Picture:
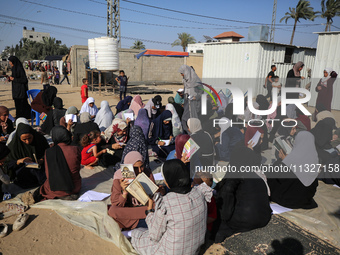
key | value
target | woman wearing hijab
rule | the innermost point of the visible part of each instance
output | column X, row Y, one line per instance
column 178, row 223
column 62, row 166
column 229, row 136
column 153, row 106
column 104, row 116
column 192, row 94
column 125, row 209
column 6, row 125
column 160, row 130
column 243, row 199
column 175, row 121
column 19, row 88
column 17, row 122
column 89, row 107
column 179, row 109
column 203, row 140
column 143, row 121
column 123, row 104
column 83, row 128
column 70, row 125
column 294, row 79
column 27, row 146
column 44, row 100
column 137, row 142
column 325, row 88
column 54, row 116
column 296, row 188
column 136, row 104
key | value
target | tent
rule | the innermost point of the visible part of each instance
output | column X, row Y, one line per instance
column 162, row 53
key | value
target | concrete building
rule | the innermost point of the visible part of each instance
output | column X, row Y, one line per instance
column 246, row 64
column 34, row 35
column 327, row 55
column 195, row 48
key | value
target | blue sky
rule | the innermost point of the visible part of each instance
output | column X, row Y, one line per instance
column 259, row 11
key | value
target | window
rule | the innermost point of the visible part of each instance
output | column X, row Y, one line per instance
column 199, row 51
column 31, row 36
column 288, row 55
column 191, row 51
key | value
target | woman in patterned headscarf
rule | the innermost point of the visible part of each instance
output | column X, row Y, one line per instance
column 325, row 88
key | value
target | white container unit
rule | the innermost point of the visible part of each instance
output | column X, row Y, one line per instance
column 92, row 59
column 106, row 53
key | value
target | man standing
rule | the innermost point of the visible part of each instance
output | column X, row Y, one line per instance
column 65, row 73
column 269, row 81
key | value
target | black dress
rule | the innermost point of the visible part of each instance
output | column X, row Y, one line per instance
column 292, row 82
column 82, row 129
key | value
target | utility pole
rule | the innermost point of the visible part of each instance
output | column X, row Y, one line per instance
column 272, row 28
column 113, row 20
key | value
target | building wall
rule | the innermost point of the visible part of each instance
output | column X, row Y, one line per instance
column 246, row 64
column 146, row 68
column 327, row 55
column 34, row 36
column 196, row 61
column 79, row 56
column 194, row 47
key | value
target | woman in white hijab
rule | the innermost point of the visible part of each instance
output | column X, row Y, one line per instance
column 89, row 107
column 325, row 88
column 104, row 116
column 17, row 122
column 296, row 188
column 176, row 122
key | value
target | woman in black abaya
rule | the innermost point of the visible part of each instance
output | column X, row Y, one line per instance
column 19, row 88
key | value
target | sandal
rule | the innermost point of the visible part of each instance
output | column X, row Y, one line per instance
column 3, row 230
column 19, row 223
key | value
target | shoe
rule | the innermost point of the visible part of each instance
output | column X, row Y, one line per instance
column 20, row 221
column 3, row 230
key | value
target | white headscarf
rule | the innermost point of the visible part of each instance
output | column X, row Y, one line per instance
column 17, row 122
column 105, row 116
column 148, row 107
column 325, row 79
column 86, row 108
column 176, row 122
column 224, row 127
column 303, row 152
column 194, row 125
column 190, row 79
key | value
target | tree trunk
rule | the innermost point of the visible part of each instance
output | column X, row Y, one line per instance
column 184, row 48
column 292, row 38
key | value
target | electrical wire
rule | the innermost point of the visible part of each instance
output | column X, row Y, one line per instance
column 80, row 29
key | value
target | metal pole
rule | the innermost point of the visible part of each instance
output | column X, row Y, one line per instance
column 272, row 28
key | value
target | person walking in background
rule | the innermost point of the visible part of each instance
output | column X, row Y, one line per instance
column 268, row 82
column 19, row 88
column 44, row 78
column 65, row 73
column 122, row 79
column 294, row 79
column 56, row 75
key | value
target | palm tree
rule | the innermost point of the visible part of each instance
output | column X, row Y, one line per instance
column 138, row 45
column 183, row 40
column 303, row 10
column 329, row 11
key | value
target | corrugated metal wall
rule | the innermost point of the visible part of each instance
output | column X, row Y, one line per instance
column 327, row 55
column 247, row 64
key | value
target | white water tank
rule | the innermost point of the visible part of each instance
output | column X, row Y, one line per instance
column 92, row 59
column 106, row 53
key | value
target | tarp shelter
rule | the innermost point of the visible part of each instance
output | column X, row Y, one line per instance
column 55, row 57
column 162, row 53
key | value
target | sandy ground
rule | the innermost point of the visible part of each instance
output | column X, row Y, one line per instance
column 48, row 233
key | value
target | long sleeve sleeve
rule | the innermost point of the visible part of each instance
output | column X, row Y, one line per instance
column 157, row 223
column 228, row 196
column 116, row 194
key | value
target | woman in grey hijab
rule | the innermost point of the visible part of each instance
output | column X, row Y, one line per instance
column 192, row 94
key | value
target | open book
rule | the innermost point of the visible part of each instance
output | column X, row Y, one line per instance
column 142, row 188
column 32, row 165
column 190, row 148
column 70, row 117
column 282, row 144
column 128, row 172
column 255, row 139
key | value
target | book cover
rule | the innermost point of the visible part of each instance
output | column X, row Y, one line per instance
column 190, row 148
column 127, row 172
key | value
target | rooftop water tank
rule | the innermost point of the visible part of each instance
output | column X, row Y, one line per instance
column 258, row 33
column 106, row 53
column 92, row 58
